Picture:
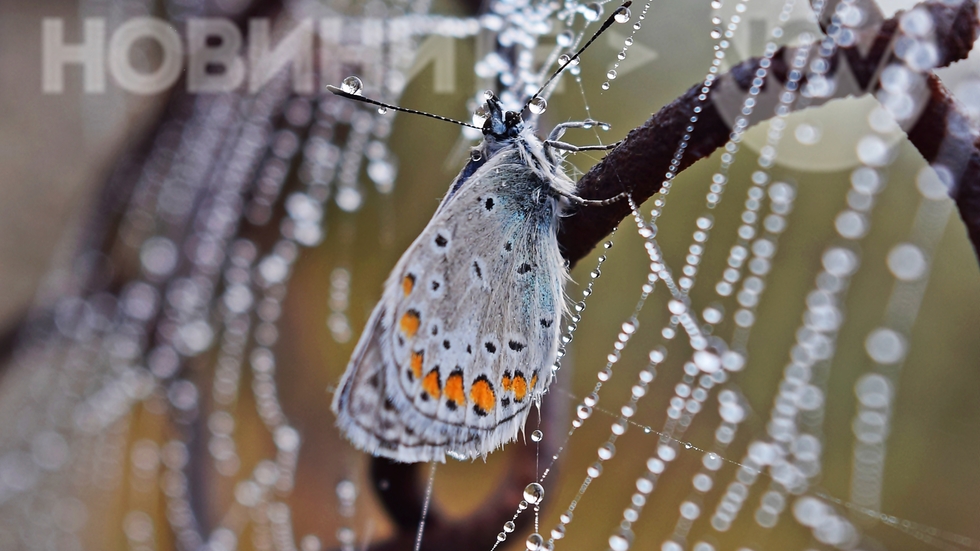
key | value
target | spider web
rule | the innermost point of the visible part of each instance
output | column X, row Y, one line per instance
column 751, row 341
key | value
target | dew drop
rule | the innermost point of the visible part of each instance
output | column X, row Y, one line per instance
column 536, row 436
column 533, row 493
column 352, row 85
column 611, row 75
column 564, row 58
column 488, row 94
column 622, row 14
column 534, row 542
column 382, row 110
column 592, row 12
column 628, row 41
column 583, row 412
column 565, row 38
column 538, row 105
column 501, row 536
column 607, row 451
column 476, row 155
column 509, row 526
column 605, row 86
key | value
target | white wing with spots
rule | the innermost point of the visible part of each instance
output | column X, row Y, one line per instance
column 462, row 342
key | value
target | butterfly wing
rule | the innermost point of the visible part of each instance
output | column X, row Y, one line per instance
column 462, row 341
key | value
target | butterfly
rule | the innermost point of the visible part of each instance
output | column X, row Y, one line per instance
column 463, row 341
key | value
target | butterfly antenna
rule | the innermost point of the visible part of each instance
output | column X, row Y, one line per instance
column 386, row 106
column 615, row 17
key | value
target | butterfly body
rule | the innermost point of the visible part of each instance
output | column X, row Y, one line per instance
column 462, row 342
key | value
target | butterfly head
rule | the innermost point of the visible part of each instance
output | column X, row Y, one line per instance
column 501, row 124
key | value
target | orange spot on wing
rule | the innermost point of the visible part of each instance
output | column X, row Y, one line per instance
column 408, row 284
column 454, row 389
column 519, row 387
column 431, row 384
column 505, row 382
column 534, row 381
column 410, row 323
column 416, row 362
column 482, row 395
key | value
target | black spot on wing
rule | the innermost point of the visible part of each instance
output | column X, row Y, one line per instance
column 477, row 271
column 445, row 344
column 508, row 246
column 441, row 240
column 516, row 346
column 490, row 347
column 546, row 323
column 524, row 268
column 488, row 204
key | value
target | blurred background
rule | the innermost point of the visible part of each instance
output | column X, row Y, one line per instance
column 185, row 275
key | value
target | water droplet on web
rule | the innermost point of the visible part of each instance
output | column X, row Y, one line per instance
column 621, row 55
column 509, row 526
column 622, row 14
column 628, row 41
column 564, row 58
column 607, row 451
column 611, row 75
column 476, row 155
column 533, row 493
column 534, row 542
column 907, row 262
column 583, row 412
column 604, row 126
column 382, row 110
column 352, row 85
column 488, row 94
column 538, row 105
column 592, row 12
column 885, row 346
column 564, row 39
column 501, row 536
column 536, row 436
column 605, row 86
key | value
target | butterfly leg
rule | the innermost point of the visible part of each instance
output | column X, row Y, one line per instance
column 560, row 129
column 563, row 146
